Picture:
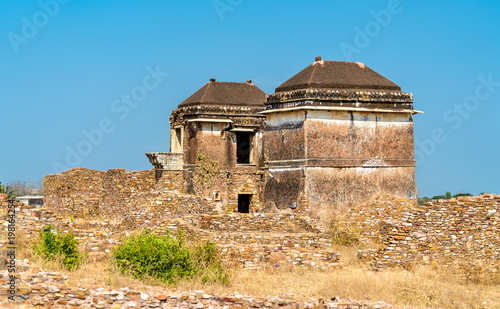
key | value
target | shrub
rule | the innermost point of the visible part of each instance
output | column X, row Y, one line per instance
column 207, row 263
column 168, row 258
column 208, row 171
column 52, row 245
column 344, row 233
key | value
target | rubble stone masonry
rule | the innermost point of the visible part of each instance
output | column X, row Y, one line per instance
column 458, row 234
column 116, row 193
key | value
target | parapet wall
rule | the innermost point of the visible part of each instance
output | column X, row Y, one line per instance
column 461, row 233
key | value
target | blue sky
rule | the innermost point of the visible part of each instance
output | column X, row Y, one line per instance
column 68, row 67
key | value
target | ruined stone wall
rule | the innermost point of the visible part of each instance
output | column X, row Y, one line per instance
column 458, row 234
column 76, row 192
column 249, row 241
column 227, row 178
column 83, row 192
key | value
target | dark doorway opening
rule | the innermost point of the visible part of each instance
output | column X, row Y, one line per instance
column 244, row 203
column 243, row 147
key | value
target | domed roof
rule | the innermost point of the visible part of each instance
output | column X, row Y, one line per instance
column 338, row 75
column 227, row 94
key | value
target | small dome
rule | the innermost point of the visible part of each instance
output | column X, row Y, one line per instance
column 227, row 94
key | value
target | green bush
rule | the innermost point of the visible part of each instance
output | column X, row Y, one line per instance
column 345, row 234
column 168, row 258
column 207, row 263
column 52, row 245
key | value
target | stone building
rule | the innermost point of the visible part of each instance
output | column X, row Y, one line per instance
column 216, row 139
column 329, row 137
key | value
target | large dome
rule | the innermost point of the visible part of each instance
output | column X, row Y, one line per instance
column 338, row 75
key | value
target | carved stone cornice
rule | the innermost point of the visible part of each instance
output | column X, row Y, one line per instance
column 339, row 96
column 219, row 110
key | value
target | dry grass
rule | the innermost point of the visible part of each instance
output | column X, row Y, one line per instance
column 421, row 288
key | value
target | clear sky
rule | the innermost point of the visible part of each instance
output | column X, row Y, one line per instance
column 92, row 83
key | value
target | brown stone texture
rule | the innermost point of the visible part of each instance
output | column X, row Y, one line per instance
column 82, row 193
column 458, row 234
column 217, row 142
column 249, row 241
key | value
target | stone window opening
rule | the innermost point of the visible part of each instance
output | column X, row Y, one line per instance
column 177, row 140
column 244, row 203
column 216, row 196
column 243, row 147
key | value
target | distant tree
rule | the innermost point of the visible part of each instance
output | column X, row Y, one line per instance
column 448, row 195
column 439, row 197
column 29, row 187
column 423, row 200
column 462, row 194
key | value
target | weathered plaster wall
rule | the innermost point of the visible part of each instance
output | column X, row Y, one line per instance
column 337, row 138
column 335, row 189
column 285, row 138
column 336, row 159
column 283, row 187
column 220, row 144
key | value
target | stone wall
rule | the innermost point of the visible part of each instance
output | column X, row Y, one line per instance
column 458, row 234
column 249, row 241
column 82, row 193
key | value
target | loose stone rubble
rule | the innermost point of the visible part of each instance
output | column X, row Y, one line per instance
column 41, row 289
